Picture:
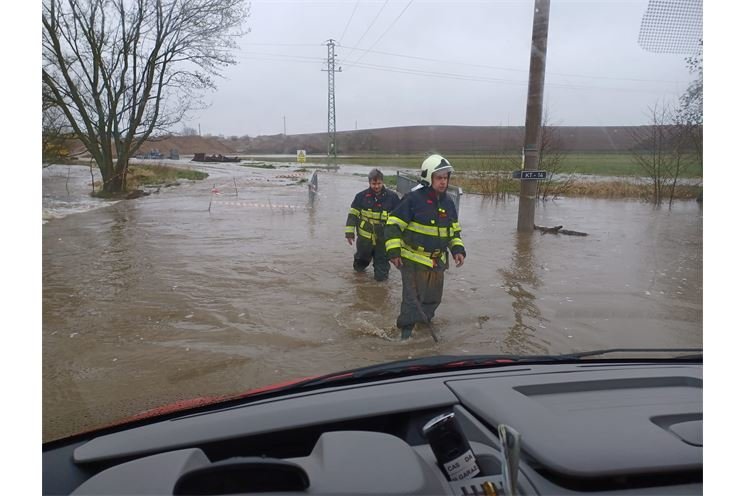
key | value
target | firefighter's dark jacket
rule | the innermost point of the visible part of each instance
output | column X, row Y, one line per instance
column 368, row 211
column 422, row 229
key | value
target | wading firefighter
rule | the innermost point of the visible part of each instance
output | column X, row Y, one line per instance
column 367, row 216
column 419, row 233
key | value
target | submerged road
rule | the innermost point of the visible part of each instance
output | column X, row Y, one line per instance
column 167, row 297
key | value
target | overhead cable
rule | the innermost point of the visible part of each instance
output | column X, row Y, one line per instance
column 384, row 32
column 357, row 4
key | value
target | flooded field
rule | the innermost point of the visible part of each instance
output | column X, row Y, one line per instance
column 235, row 282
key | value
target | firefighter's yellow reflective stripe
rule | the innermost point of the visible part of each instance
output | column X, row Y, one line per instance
column 392, row 219
column 370, row 214
column 420, row 251
column 349, row 230
column 416, row 257
column 422, row 229
column 456, row 242
column 384, row 215
column 364, row 234
column 455, row 226
column 441, row 232
column 392, row 244
column 354, row 211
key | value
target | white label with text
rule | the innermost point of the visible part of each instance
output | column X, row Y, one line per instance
column 463, row 467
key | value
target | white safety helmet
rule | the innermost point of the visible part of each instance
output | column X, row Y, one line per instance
column 432, row 165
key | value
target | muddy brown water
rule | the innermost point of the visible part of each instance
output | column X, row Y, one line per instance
column 155, row 300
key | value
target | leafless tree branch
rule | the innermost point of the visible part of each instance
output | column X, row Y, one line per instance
column 120, row 70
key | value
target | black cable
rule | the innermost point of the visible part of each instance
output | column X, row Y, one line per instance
column 350, row 20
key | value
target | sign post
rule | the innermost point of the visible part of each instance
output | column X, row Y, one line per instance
column 534, row 111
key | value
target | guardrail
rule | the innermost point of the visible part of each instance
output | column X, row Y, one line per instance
column 405, row 181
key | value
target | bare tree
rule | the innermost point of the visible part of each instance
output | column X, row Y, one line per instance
column 54, row 132
column 551, row 159
column 662, row 151
column 121, row 70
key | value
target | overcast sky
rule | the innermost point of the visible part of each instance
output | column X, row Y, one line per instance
column 426, row 62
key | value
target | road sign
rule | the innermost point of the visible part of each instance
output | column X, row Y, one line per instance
column 529, row 174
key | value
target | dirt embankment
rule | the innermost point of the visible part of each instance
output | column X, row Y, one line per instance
column 185, row 146
column 444, row 139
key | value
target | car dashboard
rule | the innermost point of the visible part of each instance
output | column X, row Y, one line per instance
column 603, row 427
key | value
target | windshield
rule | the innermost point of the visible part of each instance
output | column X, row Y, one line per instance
column 312, row 187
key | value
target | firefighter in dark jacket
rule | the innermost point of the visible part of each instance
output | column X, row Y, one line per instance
column 419, row 233
column 367, row 216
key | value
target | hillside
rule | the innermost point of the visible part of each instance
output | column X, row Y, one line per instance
column 444, row 139
column 186, row 146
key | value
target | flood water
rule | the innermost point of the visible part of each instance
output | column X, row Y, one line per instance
column 186, row 293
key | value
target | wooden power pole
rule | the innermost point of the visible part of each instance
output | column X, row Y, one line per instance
column 533, row 114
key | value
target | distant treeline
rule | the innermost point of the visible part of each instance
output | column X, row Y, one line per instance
column 442, row 139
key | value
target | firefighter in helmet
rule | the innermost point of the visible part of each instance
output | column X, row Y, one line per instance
column 419, row 234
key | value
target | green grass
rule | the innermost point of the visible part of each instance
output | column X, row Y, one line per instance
column 153, row 175
column 600, row 164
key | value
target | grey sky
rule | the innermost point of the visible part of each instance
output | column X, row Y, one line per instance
column 445, row 62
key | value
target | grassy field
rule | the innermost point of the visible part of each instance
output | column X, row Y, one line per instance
column 600, row 164
column 142, row 175
column 153, row 175
column 490, row 176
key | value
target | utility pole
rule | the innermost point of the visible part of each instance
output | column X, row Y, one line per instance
column 533, row 114
column 284, row 124
column 332, row 70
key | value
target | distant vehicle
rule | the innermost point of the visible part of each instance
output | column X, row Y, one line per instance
column 461, row 425
column 201, row 157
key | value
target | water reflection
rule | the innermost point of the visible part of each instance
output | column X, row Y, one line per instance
column 312, row 218
column 156, row 300
column 520, row 282
column 116, row 266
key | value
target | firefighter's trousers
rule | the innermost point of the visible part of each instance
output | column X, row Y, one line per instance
column 367, row 251
column 422, row 294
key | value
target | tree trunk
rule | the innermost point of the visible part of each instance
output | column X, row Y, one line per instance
column 114, row 176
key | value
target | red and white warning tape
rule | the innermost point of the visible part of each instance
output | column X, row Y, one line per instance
column 260, row 205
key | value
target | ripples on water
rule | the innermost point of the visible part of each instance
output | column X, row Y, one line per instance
column 170, row 297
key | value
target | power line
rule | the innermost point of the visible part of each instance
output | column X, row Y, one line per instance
column 483, row 66
column 297, row 58
column 464, row 77
column 385, row 32
column 437, row 74
column 350, row 20
column 455, row 62
column 371, row 24
column 286, row 44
